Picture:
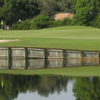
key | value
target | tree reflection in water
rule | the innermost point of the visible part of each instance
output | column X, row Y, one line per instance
column 84, row 88
column 87, row 88
column 12, row 85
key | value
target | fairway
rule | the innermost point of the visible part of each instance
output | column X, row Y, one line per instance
column 65, row 37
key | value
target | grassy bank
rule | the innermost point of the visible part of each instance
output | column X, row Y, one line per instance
column 67, row 37
column 75, row 71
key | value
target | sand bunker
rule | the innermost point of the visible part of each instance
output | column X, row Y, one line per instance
column 61, row 16
column 8, row 40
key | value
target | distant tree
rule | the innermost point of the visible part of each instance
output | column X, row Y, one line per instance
column 86, row 10
column 13, row 10
column 48, row 7
column 1, row 3
column 6, row 12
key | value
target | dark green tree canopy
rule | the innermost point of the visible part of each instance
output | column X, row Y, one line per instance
column 86, row 10
column 13, row 10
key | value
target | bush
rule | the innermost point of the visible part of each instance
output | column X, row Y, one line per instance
column 67, row 22
column 50, row 24
column 41, row 22
column 95, row 22
column 25, row 25
column 14, row 26
column 64, row 22
column 57, row 23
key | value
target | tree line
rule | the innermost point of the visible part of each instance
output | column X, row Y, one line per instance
column 86, row 12
column 13, row 10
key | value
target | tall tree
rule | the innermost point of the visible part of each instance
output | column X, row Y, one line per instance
column 13, row 10
column 47, row 7
column 6, row 12
column 86, row 10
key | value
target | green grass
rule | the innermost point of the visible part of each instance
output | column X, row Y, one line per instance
column 66, row 37
column 74, row 71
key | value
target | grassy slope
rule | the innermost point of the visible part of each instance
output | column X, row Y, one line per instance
column 75, row 71
column 67, row 37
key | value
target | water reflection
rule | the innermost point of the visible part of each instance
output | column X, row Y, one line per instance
column 4, row 64
column 73, row 62
column 35, row 63
column 47, row 87
column 12, row 85
column 46, row 63
column 90, row 62
column 17, row 64
column 87, row 88
column 54, row 63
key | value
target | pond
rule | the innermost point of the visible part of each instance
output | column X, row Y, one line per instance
column 48, row 87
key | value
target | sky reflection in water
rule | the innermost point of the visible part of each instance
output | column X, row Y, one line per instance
column 55, row 96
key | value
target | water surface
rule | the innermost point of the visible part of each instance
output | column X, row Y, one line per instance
column 47, row 87
column 46, row 63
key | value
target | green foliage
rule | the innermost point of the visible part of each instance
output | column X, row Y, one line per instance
column 51, row 23
column 64, row 22
column 87, row 88
column 67, row 22
column 40, row 22
column 86, row 11
column 14, row 26
column 45, row 22
column 44, row 85
column 96, row 22
column 6, row 11
column 47, row 7
column 13, row 10
column 50, row 7
column 57, row 23
column 25, row 25
column 0, row 25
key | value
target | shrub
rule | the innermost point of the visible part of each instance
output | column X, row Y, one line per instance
column 14, row 26
column 40, row 22
column 57, row 23
column 25, row 25
column 50, row 24
column 95, row 22
column 67, row 21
